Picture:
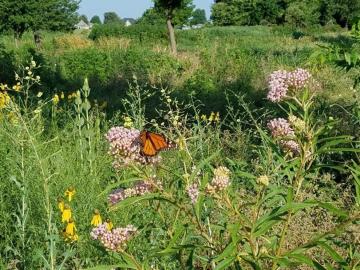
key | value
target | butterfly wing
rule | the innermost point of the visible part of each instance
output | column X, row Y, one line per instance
column 159, row 142
column 152, row 143
column 148, row 149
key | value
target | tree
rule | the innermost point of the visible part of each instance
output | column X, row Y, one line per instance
column 16, row 16
column 111, row 17
column 303, row 13
column 343, row 12
column 175, row 12
column 20, row 16
column 95, row 20
column 246, row 12
column 198, row 17
column 84, row 18
column 152, row 16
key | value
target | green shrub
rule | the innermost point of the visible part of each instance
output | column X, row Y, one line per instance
column 139, row 32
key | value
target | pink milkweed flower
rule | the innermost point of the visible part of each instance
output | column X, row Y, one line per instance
column 281, row 82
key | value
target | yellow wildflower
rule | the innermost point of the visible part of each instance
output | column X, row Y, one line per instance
column 61, row 204
column 69, row 193
column 263, row 180
column 66, row 214
column 74, row 237
column 96, row 219
column 109, row 224
column 70, row 228
column 17, row 87
column 128, row 122
column 13, row 118
column 55, row 99
column 39, row 94
column 203, row 117
column 3, row 87
column 217, row 117
column 4, row 99
column 62, row 96
column 211, row 117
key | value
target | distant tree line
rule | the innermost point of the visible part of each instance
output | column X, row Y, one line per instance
column 301, row 13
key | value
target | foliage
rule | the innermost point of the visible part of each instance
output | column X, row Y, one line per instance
column 21, row 16
column 152, row 17
column 302, row 13
column 112, row 18
column 178, row 11
column 95, row 20
column 141, row 32
column 198, row 17
column 296, row 13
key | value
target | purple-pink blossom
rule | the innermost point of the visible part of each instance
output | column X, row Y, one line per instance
column 125, row 147
column 139, row 189
column 114, row 239
column 280, row 82
column 193, row 192
column 280, row 127
column 220, row 181
column 281, row 130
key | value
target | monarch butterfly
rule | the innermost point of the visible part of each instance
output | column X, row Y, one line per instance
column 152, row 143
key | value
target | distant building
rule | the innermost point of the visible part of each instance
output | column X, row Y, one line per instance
column 128, row 21
column 83, row 25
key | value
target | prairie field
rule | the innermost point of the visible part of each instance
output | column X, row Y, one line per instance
column 240, row 152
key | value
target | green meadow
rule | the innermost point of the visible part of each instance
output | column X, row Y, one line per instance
column 234, row 190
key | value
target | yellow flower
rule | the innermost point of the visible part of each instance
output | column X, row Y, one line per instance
column 211, row 117
column 70, row 228
column 263, row 180
column 61, row 204
column 69, row 193
column 62, row 96
column 55, row 99
column 203, row 117
column 128, row 122
column 3, row 87
column 96, row 219
column 217, row 117
column 17, row 87
column 66, row 214
column 181, row 142
column 109, row 224
column 39, row 94
column 74, row 237
column 4, row 99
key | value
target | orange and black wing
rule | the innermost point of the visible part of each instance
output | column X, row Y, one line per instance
column 152, row 143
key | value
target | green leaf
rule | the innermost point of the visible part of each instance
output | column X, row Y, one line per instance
column 338, row 150
column 133, row 200
column 336, row 257
column 179, row 230
column 300, row 258
column 229, row 250
column 336, row 211
column 225, row 263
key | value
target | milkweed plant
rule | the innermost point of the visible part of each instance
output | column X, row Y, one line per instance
column 217, row 214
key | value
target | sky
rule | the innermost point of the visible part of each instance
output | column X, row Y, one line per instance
column 127, row 8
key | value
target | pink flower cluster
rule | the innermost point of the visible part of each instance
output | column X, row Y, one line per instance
column 125, row 146
column 220, row 181
column 281, row 129
column 281, row 81
column 193, row 192
column 113, row 239
column 139, row 189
